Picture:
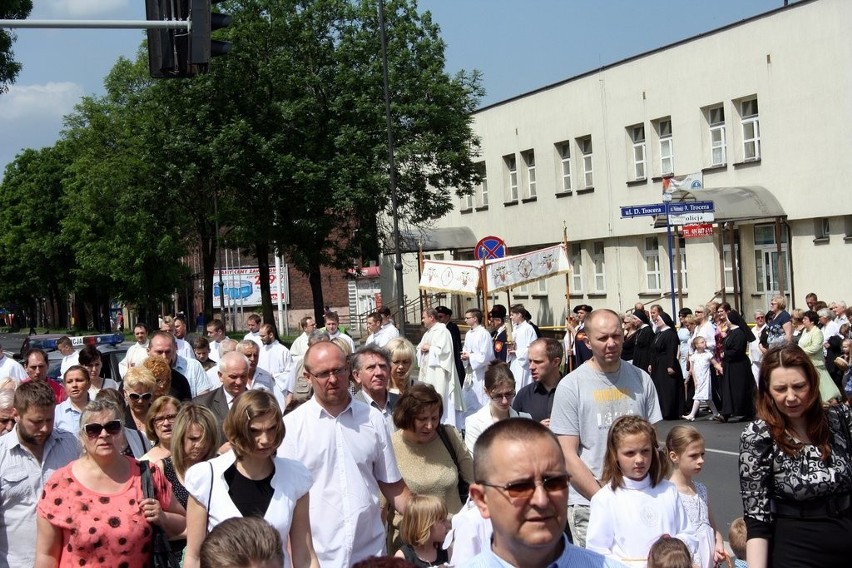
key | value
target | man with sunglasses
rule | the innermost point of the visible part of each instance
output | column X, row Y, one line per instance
column 522, row 487
column 29, row 455
column 345, row 444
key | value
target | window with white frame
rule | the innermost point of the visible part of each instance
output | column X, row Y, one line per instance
column 576, row 260
column 728, row 281
column 684, row 281
column 512, row 177
column 653, row 279
column 664, row 129
column 770, row 267
column 529, row 162
column 637, row 135
column 565, row 161
column 599, row 264
column 585, row 145
column 751, row 130
column 541, row 287
column 467, row 202
column 482, row 188
column 718, row 149
column 521, row 290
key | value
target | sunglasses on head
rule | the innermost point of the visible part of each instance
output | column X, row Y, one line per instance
column 93, row 429
column 137, row 397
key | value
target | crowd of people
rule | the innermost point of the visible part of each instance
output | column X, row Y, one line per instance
column 503, row 449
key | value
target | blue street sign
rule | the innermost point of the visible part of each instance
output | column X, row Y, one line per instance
column 643, row 210
column 684, row 207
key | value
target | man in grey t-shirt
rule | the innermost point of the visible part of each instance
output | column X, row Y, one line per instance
column 588, row 401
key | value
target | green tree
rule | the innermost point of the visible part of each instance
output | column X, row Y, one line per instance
column 9, row 68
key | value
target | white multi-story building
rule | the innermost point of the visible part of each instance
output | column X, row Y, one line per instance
column 762, row 108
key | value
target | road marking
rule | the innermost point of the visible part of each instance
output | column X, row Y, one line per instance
column 726, row 452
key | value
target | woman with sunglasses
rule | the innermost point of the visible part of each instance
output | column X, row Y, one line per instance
column 159, row 425
column 139, row 386
column 93, row 511
column 251, row 481
column 500, row 389
column 423, row 458
column 76, row 383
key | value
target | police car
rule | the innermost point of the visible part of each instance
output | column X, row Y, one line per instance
column 109, row 344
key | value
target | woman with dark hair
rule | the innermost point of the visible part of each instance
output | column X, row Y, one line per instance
column 422, row 446
column 644, row 344
column 736, row 383
column 90, row 358
column 665, row 367
column 795, row 469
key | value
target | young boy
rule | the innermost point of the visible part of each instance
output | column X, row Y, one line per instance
column 737, row 540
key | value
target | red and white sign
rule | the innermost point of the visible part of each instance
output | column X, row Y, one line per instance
column 697, row 231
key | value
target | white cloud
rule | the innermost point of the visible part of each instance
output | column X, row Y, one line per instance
column 82, row 9
column 24, row 102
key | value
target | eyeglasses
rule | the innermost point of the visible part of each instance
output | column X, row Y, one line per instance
column 327, row 374
column 497, row 397
column 135, row 397
column 93, row 429
column 525, row 489
column 167, row 417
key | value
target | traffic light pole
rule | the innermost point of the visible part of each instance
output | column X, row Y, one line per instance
column 98, row 24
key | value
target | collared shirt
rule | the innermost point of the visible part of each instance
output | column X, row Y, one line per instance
column 264, row 381
column 253, row 336
column 345, row 338
column 299, row 346
column 572, row 557
column 66, row 417
column 69, row 361
column 214, row 351
column 184, row 349
column 21, row 480
column 347, row 455
column 386, row 412
column 11, row 368
column 275, row 359
column 384, row 334
column 535, row 400
column 199, row 382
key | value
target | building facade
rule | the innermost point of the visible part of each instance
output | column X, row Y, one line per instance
column 761, row 109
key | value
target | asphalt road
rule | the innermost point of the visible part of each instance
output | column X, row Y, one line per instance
column 720, row 473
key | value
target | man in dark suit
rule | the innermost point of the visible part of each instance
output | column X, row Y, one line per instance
column 234, row 374
column 371, row 369
column 497, row 321
column 582, row 353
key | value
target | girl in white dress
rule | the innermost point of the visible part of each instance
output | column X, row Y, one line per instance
column 699, row 369
column 636, row 504
column 685, row 447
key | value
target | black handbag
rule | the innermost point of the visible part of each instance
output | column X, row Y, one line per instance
column 463, row 486
column 161, row 556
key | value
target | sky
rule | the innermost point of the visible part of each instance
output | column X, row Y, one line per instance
column 518, row 45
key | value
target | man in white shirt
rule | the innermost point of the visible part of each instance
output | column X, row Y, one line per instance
column 332, row 326
column 477, row 352
column 215, row 335
column 523, row 335
column 29, row 455
column 260, row 378
column 253, row 325
column 274, row 358
column 11, row 368
column 346, row 446
column 384, row 330
column 300, row 345
column 184, row 347
column 164, row 345
column 374, row 324
column 138, row 352
column 70, row 356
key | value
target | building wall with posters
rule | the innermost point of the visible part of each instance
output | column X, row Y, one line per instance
column 760, row 103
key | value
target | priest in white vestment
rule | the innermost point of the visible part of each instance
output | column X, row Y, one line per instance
column 438, row 368
column 477, row 353
column 523, row 335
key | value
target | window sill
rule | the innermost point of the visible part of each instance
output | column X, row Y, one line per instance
column 637, row 182
column 466, row 211
column 716, row 168
column 576, row 295
column 540, row 295
column 589, row 189
column 652, row 294
column 529, row 199
column 847, row 239
column 592, row 295
column 482, row 208
column 562, row 194
column 822, row 240
column 747, row 163
column 510, row 203
column 657, row 179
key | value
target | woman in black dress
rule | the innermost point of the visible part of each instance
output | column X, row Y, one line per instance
column 643, row 346
column 665, row 367
column 737, row 380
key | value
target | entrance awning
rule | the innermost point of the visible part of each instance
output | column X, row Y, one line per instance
column 448, row 238
column 733, row 204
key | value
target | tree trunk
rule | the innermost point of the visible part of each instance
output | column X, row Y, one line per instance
column 208, row 268
column 315, row 279
column 262, row 252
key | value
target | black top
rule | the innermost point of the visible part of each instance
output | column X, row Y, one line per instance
column 179, row 491
column 250, row 496
column 180, row 387
column 412, row 557
column 455, row 332
column 500, row 350
column 535, row 400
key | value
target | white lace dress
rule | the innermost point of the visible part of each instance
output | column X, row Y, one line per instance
column 699, row 522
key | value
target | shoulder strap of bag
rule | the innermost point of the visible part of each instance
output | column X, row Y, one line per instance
column 147, row 482
column 445, row 439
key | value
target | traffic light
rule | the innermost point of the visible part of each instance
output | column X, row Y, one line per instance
column 168, row 49
column 203, row 22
